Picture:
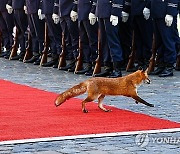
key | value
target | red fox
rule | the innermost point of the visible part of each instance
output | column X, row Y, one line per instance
column 99, row 87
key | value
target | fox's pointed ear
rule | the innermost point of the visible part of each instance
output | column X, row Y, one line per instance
column 143, row 69
column 146, row 70
column 140, row 68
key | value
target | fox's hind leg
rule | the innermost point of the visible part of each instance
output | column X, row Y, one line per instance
column 90, row 98
column 84, row 102
column 139, row 99
column 100, row 103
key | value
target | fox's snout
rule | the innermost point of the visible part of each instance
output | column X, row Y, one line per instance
column 148, row 81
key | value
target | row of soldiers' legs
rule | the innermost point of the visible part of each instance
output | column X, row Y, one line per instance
column 86, row 45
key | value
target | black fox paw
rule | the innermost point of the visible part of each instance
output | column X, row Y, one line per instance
column 108, row 110
column 136, row 102
column 85, row 111
column 151, row 105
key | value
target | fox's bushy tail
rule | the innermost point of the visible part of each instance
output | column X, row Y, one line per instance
column 72, row 92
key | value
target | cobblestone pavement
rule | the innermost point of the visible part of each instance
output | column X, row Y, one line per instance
column 163, row 92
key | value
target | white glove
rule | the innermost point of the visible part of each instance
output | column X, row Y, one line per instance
column 125, row 16
column 92, row 18
column 41, row 16
column 9, row 9
column 25, row 9
column 146, row 13
column 74, row 16
column 56, row 18
column 168, row 20
column 114, row 20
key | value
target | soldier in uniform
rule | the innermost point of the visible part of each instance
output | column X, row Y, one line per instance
column 143, row 31
column 36, row 29
column 7, row 24
column 109, row 15
column 126, row 33
column 65, row 11
column 164, row 14
column 54, row 33
column 88, row 30
column 20, row 20
column 178, row 41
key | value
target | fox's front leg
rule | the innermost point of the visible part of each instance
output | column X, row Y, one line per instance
column 100, row 105
column 139, row 99
column 83, row 107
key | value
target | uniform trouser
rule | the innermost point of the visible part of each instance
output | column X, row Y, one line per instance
column 110, row 41
column 5, row 35
column 166, row 40
column 55, row 34
column 143, row 34
column 20, row 19
column 70, row 30
column 6, row 22
column 89, row 40
column 36, row 27
column 177, row 37
column 126, row 38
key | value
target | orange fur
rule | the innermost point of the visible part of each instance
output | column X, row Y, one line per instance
column 99, row 87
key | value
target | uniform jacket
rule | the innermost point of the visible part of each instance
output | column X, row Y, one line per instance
column 47, row 6
column 85, row 7
column 64, row 7
column 32, row 6
column 3, row 5
column 160, row 8
column 106, row 8
column 16, row 4
column 135, row 7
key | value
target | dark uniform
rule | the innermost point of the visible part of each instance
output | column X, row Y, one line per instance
column 143, row 32
column 178, row 42
column 69, row 28
column 165, row 36
column 54, row 32
column 20, row 20
column 36, row 29
column 109, row 35
column 88, row 34
column 7, row 24
column 126, row 35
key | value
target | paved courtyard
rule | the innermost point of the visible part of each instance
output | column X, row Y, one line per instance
column 163, row 92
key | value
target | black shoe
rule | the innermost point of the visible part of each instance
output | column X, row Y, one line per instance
column 115, row 74
column 56, row 65
column 168, row 71
column 133, row 69
column 117, row 70
column 37, row 62
column 70, row 65
column 21, row 56
column 106, row 72
column 7, row 55
column 157, row 71
column 32, row 60
column 87, row 67
column 72, row 69
column 15, row 58
column 4, row 53
column 89, row 73
column 50, row 63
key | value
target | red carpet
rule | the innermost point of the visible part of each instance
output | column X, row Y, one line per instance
column 27, row 113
